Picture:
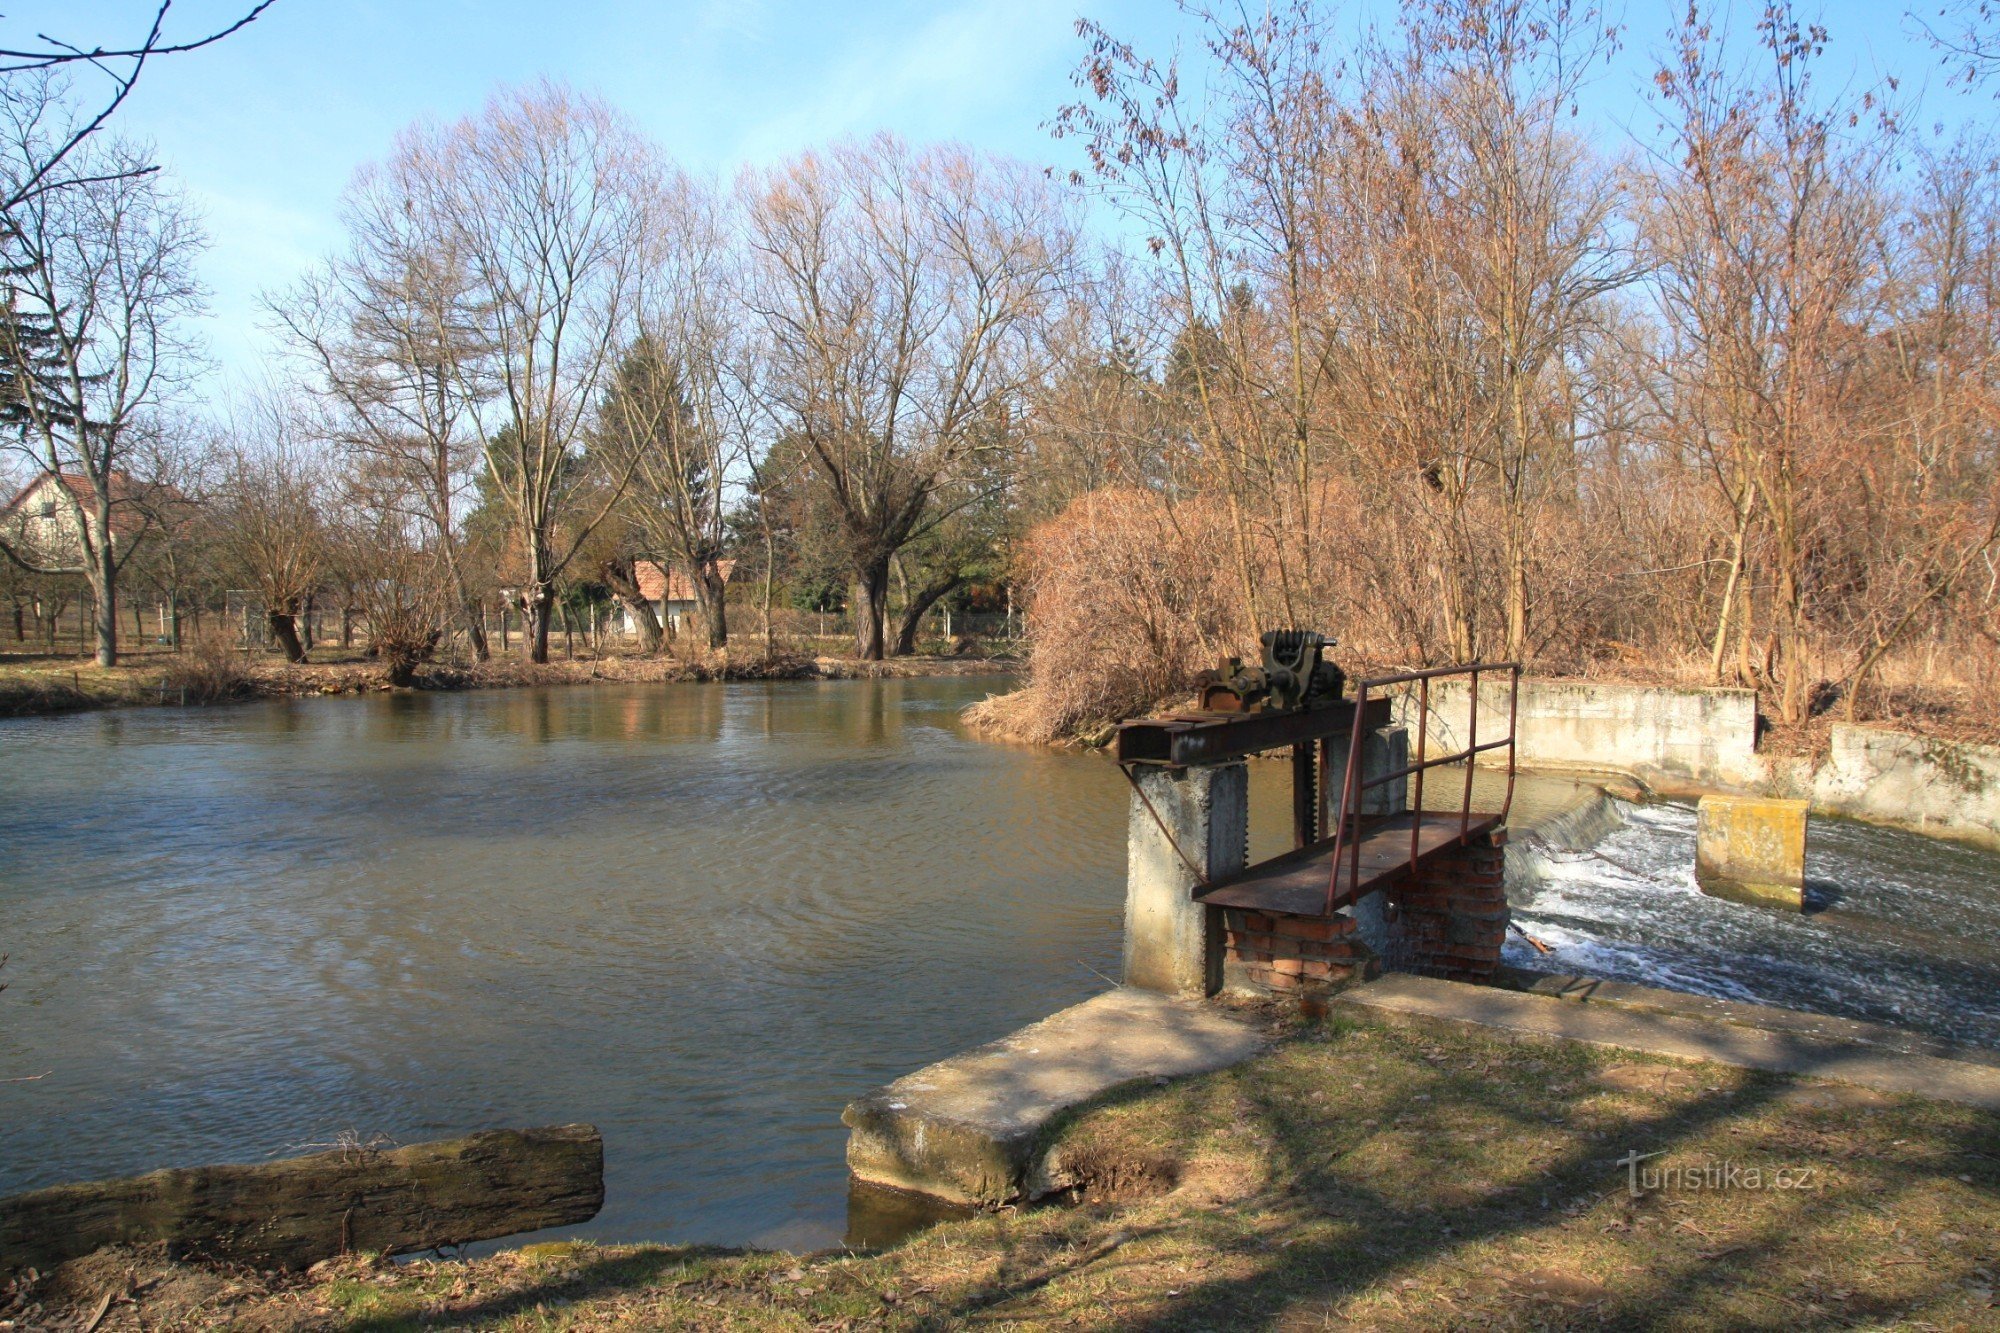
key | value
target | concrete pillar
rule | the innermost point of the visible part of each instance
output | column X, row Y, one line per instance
column 1173, row 944
column 1383, row 750
column 1752, row 849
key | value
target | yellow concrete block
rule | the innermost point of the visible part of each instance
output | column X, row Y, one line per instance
column 1752, row 849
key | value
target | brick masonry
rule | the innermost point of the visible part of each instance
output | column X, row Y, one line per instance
column 1450, row 920
column 1271, row 951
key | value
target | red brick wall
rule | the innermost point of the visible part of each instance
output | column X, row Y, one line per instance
column 1449, row 921
column 1272, row 951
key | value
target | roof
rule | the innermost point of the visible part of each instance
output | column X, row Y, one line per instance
column 672, row 583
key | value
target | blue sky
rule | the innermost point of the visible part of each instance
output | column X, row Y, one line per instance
column 265, row 129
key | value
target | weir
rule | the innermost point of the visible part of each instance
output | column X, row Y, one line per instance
column 1377, row 878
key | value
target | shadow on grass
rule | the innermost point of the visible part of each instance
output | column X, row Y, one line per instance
column 604, row 1275
column 1378, row 1236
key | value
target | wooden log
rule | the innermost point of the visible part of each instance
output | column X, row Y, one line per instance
column 293, row 1213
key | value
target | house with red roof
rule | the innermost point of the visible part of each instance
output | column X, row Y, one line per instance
column 670, row 591
column 41, row 523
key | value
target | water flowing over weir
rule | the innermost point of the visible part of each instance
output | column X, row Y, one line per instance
column 1898, row 928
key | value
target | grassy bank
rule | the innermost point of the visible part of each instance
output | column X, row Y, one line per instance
column 1382, row 1176
column 33, row 684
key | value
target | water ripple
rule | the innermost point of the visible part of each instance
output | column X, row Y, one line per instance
column 702, row 917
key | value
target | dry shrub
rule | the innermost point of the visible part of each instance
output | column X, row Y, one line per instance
column 210, row 671
column 403, row 637
column 1128, row 598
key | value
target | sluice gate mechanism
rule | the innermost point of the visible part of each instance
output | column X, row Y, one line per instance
column 1360, row 818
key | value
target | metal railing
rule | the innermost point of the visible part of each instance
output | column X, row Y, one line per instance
column 1347, row 832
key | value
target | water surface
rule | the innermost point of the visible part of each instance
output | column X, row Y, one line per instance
column 701, row 917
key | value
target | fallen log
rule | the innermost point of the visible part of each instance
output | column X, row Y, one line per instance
column 293, row 1213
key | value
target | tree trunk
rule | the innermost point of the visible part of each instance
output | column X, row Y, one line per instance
column 346, row 627
column 711, row 601
column 174, row 620
column 919, row 607
column 769, row 571
column 293, row 1213
column 871, row 610
column 284, row 626
column 536, row 604
column 1736, row 562
column 308, row 616
column 20, row 624
column 104, row 604
column 1517, row 598
column 622, row 577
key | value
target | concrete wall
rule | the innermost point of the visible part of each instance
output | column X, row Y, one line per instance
column 1173, row 944
column 1931, row 786
column 1703, row 736
column 1685, row 741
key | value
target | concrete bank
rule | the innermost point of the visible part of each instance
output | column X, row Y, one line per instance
column 970, row 1129
column 1662, row 1023
column 1683, row 741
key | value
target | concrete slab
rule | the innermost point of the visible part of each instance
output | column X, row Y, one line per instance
column 1780, row 1051
column 1817, row 1027
column 969, row 1129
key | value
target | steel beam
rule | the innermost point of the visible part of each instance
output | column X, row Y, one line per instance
column 1214, row 738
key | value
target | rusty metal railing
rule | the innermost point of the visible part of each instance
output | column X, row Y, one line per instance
column 1347, row 833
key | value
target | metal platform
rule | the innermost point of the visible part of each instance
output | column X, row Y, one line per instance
column 1296, row 882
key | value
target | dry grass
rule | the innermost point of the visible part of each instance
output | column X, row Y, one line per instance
column 1360, row 1175
column 36, row 684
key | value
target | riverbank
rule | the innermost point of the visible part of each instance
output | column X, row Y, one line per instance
column 32, row 684
column 1389, row 1175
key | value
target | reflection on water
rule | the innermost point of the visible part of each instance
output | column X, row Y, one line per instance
column 701, row 917
column 1899, row 928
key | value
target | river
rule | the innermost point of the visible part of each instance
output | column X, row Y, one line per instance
column 701, row 917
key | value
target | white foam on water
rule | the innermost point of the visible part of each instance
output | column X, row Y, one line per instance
column 1905, row 936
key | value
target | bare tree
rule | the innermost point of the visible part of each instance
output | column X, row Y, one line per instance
column 550, row 205
column 1760, row 226
column 273, row 513
column 395, row 575
column 26, row 86
column 675, row 414
column 98, row 278
column 393, row 341
column 898, row 289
